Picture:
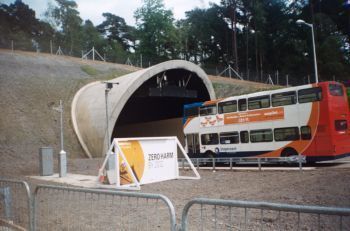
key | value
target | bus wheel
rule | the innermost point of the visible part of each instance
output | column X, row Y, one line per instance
column 289, row 152
column 209, row 155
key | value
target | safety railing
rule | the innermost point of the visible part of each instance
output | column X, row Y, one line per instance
column 15, row 205
column 213, row 163
column 65, row 208
column 216, row 214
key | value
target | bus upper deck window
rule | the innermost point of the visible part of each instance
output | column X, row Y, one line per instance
column 336, row 90
column 284, row 98
column 190, row 112
column 259, row 102
column 208, row 110
column 228, row 106
column 309, row 95
column 242, row 104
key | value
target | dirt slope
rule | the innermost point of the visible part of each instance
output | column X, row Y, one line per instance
column 32, row 84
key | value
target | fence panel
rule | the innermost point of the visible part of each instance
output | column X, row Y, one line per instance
column 15, row 205
column 215, row 214
column 65, row 208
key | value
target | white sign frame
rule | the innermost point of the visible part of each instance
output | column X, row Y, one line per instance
column 114, row 174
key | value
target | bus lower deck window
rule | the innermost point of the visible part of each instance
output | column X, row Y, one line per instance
column 305, row 132
column 263, row 135
column 244, row 136
column 287, row 134
column 210, row 139
column 229, row 138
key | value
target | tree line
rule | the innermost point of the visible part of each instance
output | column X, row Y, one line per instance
column 255, row 37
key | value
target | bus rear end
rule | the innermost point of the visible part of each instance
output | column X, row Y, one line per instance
column 339, row 119
column 332, row 139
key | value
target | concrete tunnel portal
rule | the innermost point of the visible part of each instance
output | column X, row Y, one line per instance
column 145, row 103
column 158, row 105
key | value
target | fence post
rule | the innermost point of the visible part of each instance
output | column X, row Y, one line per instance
column 50, row 46
column 5, row 195
column 12, row 46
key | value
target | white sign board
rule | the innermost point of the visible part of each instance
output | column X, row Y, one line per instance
column 146, row 160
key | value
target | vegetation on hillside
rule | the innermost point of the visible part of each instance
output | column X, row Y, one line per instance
column 255, row 37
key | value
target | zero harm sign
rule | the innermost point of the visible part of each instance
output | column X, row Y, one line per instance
column 143, row 160
column 151, row 160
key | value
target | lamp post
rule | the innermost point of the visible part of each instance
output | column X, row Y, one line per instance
column 302, row 22
column 108, row 88
column 62, row 158
column 111, row 161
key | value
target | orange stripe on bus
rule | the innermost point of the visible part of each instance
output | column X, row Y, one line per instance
column 212, row 102
column 188, row 121
column 254, row 116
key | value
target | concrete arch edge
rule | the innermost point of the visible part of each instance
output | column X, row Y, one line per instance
column 92, row 123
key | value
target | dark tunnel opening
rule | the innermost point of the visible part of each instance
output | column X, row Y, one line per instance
column 156, row 108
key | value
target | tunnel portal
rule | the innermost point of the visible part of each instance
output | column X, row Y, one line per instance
column 145, row 103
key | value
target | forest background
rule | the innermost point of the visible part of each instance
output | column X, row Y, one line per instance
column 257, row 38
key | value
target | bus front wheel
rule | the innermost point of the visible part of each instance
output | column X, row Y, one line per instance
column 289, row 152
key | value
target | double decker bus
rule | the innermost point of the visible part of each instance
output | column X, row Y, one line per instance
column 310, row 120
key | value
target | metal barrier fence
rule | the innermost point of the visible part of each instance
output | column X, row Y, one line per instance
column 15, row 205
column 215, row 214
column 229, row 162
column 65, row 208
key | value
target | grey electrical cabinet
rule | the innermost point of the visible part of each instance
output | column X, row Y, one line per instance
column 46, row 161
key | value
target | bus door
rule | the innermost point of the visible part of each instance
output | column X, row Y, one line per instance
column 193, row 144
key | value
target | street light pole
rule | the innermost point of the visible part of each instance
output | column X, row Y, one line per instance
column 62, row 158
column 108, row 88
column 299, row 21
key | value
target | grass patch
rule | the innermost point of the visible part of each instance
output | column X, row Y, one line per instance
column 114, row 73
column 89, row 70
column 223, row 90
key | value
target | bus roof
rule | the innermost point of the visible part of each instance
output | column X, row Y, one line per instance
column 260, row 93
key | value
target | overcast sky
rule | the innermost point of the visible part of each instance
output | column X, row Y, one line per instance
column 93, row 9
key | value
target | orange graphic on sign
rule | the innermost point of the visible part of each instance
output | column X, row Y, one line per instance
column 254, row 116
column 134, row 155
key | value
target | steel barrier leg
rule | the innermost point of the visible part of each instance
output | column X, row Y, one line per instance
column 5, row 196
